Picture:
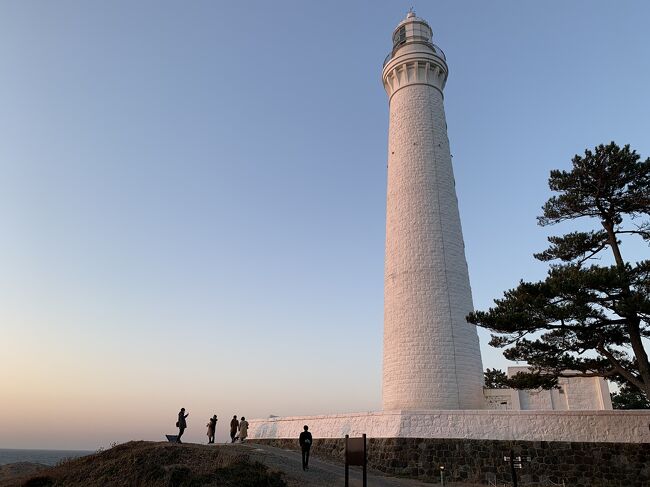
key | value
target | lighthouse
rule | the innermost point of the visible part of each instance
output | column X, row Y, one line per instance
column 432, row 358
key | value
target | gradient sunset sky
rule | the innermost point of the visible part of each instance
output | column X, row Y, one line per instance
column 192, row 194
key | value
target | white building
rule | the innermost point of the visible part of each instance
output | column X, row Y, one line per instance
column 573, row 394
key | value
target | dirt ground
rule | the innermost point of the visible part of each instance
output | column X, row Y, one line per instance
column 322, row 473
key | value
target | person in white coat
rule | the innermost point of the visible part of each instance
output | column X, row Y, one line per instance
column 243, row 429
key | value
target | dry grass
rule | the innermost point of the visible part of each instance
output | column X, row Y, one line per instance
column 147, row 464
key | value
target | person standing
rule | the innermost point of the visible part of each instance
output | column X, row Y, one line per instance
column 212, row 428
column 234, row 426
column 181, row 423
column 305, row 440
column 243, row 429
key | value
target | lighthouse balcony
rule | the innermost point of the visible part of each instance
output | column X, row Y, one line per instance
column 439, row 52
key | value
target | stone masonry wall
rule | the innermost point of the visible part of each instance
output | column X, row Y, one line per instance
column 432, row 358
column 481, row 461
column 572, row 426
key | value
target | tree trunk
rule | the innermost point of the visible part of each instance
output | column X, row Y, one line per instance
column 633, row 324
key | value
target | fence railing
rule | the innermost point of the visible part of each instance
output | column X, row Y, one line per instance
column 435, row 48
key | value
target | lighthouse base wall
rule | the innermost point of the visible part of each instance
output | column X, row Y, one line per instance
column 564, row 426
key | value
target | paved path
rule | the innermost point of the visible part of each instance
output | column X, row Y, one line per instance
column 322, row 473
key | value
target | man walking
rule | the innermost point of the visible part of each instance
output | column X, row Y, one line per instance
column 181, row 423
column 305, row 444
column 234, row 425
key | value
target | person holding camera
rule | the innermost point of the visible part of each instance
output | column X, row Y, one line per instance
column 181, row 424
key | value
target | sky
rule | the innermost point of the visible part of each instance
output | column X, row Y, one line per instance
column 192, row 194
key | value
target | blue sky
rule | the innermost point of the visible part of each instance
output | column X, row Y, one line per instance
column 192, row 194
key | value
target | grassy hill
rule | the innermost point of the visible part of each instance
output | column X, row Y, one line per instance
column 148, row 464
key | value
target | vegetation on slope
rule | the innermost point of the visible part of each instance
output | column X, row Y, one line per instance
column 150, row 464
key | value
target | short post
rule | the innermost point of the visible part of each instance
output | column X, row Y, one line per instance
column 442, row 475
column 356, row 453
column 347, row 468
column 365, row 462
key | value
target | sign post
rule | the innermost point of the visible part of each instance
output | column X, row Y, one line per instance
column 356, row 453
column 513, row 472
column 515, row 462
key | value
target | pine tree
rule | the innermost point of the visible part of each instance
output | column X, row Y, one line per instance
column 495, row 379
column 584, row 319
column 629, row 397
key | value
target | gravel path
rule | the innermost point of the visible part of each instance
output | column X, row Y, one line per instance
column 322, row 473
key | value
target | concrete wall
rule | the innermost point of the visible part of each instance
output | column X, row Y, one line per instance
column 573, row 394
column 482, row 461
column 570, row 426
column 502, row 399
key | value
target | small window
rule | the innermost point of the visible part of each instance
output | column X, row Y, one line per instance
column 400, row 36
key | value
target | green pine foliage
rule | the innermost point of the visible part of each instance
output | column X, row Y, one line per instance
column 586, row 318
column 495, row 379
column 629, row 398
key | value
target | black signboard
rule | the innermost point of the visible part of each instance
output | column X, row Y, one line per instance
column 356, row 453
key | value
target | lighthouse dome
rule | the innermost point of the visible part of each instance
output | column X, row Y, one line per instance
column 413, row 31
column 412, row 28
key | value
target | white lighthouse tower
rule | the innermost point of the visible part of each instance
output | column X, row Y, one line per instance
column 432, row 372
column 432, row 358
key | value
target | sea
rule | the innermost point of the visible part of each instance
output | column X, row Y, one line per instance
column 46, row 457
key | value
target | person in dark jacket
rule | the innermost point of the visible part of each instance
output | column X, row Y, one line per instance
column 212, row 428
column 305, row 444
column 234, row 425
column 181, row 423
